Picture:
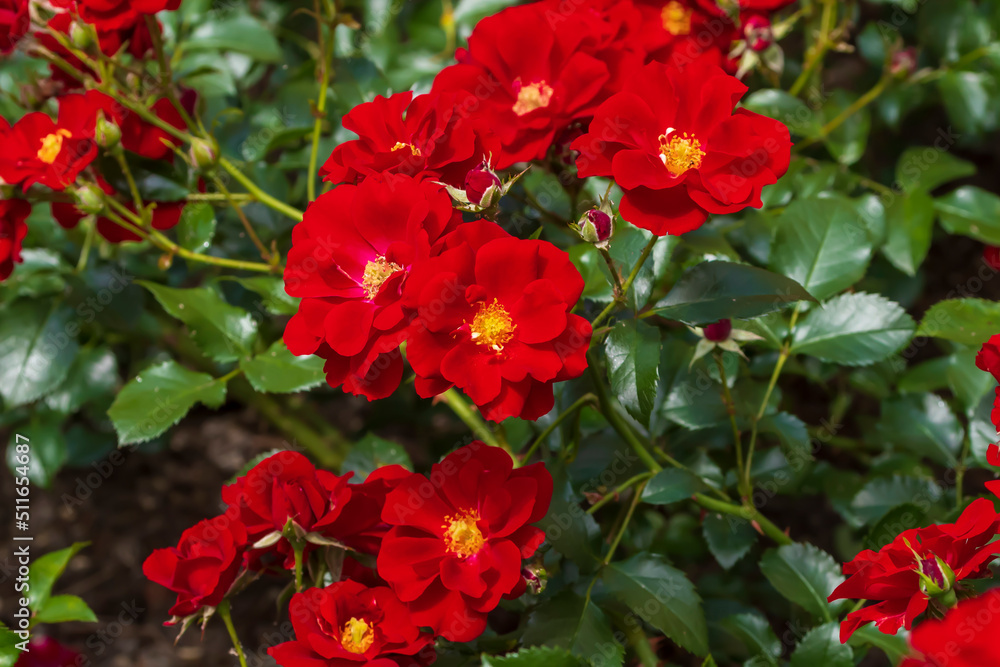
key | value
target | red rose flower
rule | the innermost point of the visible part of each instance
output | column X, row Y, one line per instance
column 428, row 136
column 281, row 488
column 458, row 539
column 988, row 358
column 681, row 32
column 528, row 96
column 14, row 22
column 993, row 459
column 991, row 255
column 494, row 320
column 47, row 652
column 203, row 566
column 360, row 525
column 348, row 624
column 120, row 14
column 139, row 136
column 13, row 228
column 349, row 259
column 40, row 150
column 902, row 574
column 965, row 637
column 673, row 143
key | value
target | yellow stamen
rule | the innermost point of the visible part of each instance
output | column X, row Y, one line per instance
column 462, row 535
column 357, row 636
column 52, row 145
column 492, row 326
column 400, row 146
column 680, row 152
column 676, row 18
column 532, row 96
column 377, row 271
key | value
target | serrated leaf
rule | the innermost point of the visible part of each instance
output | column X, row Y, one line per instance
column 729, row 538
column 633, row 350
column 923, row 425
column 65, row 608
column 372, row 452
column 663, row 596
column 790, row 431
column 854, row 330
column 274, row 298
column 880, row 495
column 278, row 371
column 900, row 518
column 822, row 245
column 821, row 647
column 712, row 291
column 536, row 656
column 221, row 331
column 45, row 571
column 909, row 226
column 804, row 574
column 754, row 631
column 36, row 348
column 9, row 653
column 569, row 622
column 972, row 212
column 670, row 486
column 789, row 109
column 197, row 227
column 158, row 398
column 967, row 321
column 926, row 168
column 966, row 381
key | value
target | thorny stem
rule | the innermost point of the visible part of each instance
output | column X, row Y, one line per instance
column 747, row 512
column 611, row 495
column 727, row 398
column 628, row 282
column 223, row 611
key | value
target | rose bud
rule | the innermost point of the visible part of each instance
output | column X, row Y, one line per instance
column 991, row 255
column 482, row 186
column 719, row 331
column 596, row 226
column 535, row 577
column 758, row 33
column 90, row 199
column 904, row 62
column 204, row 154
column 106, row 133
column 79, row 35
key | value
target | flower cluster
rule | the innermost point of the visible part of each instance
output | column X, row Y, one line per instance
column 385, row 260
column 387, row 556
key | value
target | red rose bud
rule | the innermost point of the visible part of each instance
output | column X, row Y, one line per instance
column 991, row 255
column 482, row 185
column 719, row 331
column 936, row 576
column 204, row 154
column 904, row 62
column 535, row 577
column 596, row 226
column 107, row 133
column 758, row 32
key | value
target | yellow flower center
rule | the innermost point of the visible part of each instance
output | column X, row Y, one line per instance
column 680, row 152
column 400, row 146
column 492, row 326
column 676, row 18
column 52, row 145
column 532, row 96
column 357, row 636
column 462, row 535
column 377, row 271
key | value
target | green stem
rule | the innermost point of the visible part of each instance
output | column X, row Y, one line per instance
column 473, row 420
column 639, row 641
column 619, row 424
column 587, row 399
column 628, row 281
column 326, row 63
column 727, row 399
column 746, row 512
column 298, row 548
column 619, row 293
column 88, row 241
column 223, row 611
column 132, row 187
column 854, row 107
column 264, row 253
column 818, row 49
column 260, row 195
column 624, row 526
column 611, row 495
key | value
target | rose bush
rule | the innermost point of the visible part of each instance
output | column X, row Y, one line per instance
column 597, row 332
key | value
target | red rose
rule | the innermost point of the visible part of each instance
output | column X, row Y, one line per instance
column 458, row 539
column 993, row 459
column 897, row 576
column 965, row 637
column 428, row 136
column 494, row 321
column 682, row 32
column 14, row 22
column 13, row 228
column 47, row 652
column 40, row 150
column 530, row 95
column 988, row 358
column 991, row 255
column 120, row 14
column 139, row 136
column 203, row 566
column 350, row 625
column 673, row 143
column 281, row 488
column 360, row 525
column 349, row 259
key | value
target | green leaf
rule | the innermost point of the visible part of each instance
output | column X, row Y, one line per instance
column 821, row 647
column 804, row 574
column 968, row 383
column 854, row 330
column 900, row 518
column 929, row 375
column 670, row 486
column 822, row 245
column 45, row 571
column 712, row 291
column 968, row 98
column 94, row 373
column 223, row 332
column 568, row 528
column 729, row 538
column 882, row 494
column 633, row 350
column 662, row 596
column 9, row 653
column 158, row 398
column 896, row 647
column 278, row 371
column 537, row 656
column 64, row 608
column 972, row 212
column 910, row 222
column 569, row 622
column 848, row 141
column 48, row 449
column 924, row 425
column 275, row 299
column 967, row 321
column 197, row 227
column 37, row 346
column 372, row 452
column 926, row 168
column 791, row 432
column 755, row 632
column 789, row 109
column 241, row 33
